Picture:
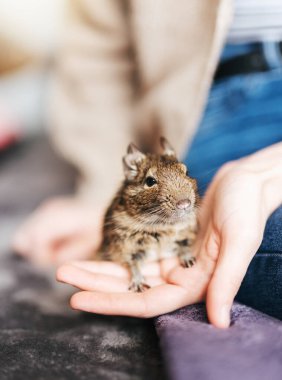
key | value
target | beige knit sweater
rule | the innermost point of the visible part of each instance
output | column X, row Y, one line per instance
column 132, row 70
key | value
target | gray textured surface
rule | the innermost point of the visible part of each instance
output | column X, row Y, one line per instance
column 40, row 337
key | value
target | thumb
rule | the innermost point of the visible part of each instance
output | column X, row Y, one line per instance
column 234, row 258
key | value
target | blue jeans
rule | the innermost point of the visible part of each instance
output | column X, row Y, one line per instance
column 244, row 114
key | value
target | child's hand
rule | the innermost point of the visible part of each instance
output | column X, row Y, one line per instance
column 232, row 221
column 60, row 230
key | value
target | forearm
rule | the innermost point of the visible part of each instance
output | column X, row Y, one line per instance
column 91, row 107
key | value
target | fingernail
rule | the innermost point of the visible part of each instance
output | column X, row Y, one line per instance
column 224, row 316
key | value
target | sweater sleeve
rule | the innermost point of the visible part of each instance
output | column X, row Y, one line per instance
column 92, row 95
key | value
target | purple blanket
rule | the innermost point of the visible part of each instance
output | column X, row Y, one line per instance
column 251, row 349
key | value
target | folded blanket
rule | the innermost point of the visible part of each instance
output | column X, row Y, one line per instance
column 251, row 349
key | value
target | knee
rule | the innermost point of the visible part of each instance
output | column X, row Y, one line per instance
column 272, row 239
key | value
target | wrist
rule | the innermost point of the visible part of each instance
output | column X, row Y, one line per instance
column 272, row 190
column 267, row 161
column 267, row 165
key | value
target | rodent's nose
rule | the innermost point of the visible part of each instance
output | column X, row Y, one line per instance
column 183, row 204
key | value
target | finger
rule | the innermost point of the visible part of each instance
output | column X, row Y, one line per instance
column 21, row 244
column 21, row 241
column 102, row 267
column 39, row 253
column 154, row 301
column 44, row 248
column 234, row 259
column 32, row 239
column 109, row 267
column 85, row 280
column 40, row 226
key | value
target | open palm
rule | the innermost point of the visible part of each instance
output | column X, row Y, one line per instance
column 232, row 220
column 105, row 287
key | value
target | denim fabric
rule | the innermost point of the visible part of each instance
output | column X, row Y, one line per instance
column 243, row 115
column 262, row 285
column 231, row 51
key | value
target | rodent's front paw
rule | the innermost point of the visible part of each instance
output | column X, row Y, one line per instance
column 138, row 286
column 187, row 261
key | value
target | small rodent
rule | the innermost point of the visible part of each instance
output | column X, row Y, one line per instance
column 153, row 215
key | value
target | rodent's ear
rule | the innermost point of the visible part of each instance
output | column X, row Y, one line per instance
column 131, row 161
column 167, row 148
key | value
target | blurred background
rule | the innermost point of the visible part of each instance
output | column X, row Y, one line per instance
column 29, row 39
column 40, row 336
column 29, row 35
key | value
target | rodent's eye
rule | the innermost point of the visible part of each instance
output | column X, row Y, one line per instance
column 150, row 181
column 187, row 173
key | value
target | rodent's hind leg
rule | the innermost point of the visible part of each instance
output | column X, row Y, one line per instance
column 137, row 283
column 187, row 260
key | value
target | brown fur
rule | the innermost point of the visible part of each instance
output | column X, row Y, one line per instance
column 143, row 223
